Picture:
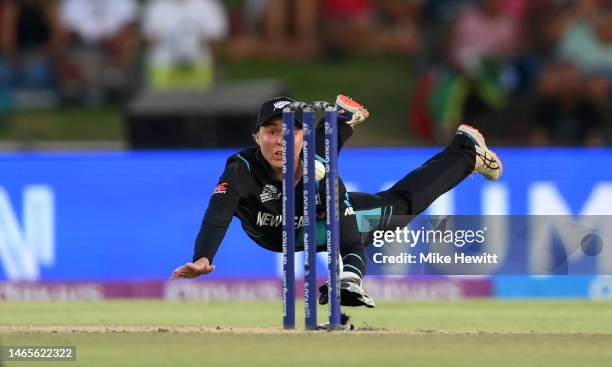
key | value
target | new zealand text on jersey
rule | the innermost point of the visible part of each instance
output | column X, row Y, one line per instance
column 270, row 220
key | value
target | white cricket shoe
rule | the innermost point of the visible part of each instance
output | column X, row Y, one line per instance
column 352, row 293
column 487, row 162
column 344, row 324
column 350, row 111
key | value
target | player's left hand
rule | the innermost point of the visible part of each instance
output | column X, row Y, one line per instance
column 193, row 270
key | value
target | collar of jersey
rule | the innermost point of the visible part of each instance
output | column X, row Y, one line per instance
column 267, row 176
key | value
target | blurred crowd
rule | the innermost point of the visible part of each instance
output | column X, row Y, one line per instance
column 549, row 60
column 546, row 62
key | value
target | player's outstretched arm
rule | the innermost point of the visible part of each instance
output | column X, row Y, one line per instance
column 193, row 270
column 221, row 208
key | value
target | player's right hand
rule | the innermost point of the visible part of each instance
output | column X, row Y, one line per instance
column 193, row 270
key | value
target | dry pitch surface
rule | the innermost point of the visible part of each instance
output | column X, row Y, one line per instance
column 451, row 333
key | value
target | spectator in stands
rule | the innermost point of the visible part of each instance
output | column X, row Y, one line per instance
column 102, row 42
column 587, row 43
column 573, row 91
column 484, row 32
column 564, row 113
column 371, row 26
column 180, row 36
column 273, row 29
column 299, row 29
column 31, row 41
column 482, row 44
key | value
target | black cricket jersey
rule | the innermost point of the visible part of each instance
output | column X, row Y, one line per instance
column 248, row 190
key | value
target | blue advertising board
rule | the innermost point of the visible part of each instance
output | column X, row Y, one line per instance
column 135, row 215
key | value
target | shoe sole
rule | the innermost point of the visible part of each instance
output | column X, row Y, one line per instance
column 480, row 141
column 351, row 105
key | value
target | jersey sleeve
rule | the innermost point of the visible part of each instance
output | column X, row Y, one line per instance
column 221, row 208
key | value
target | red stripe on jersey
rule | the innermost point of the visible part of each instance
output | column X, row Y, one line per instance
column 221, row 188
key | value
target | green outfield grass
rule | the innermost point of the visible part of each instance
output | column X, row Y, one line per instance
column 453, row 333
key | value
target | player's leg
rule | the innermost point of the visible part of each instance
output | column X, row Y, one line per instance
column 362, row 213
column 417, row 190
column 467, row 153
column 352, row 292
column 352, row 256
column 350, row 113
column 412, row 194
column 353, row 261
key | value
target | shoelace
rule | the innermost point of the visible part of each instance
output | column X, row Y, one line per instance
column 488, row 160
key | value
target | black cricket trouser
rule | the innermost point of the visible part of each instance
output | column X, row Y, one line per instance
column 407, row 198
